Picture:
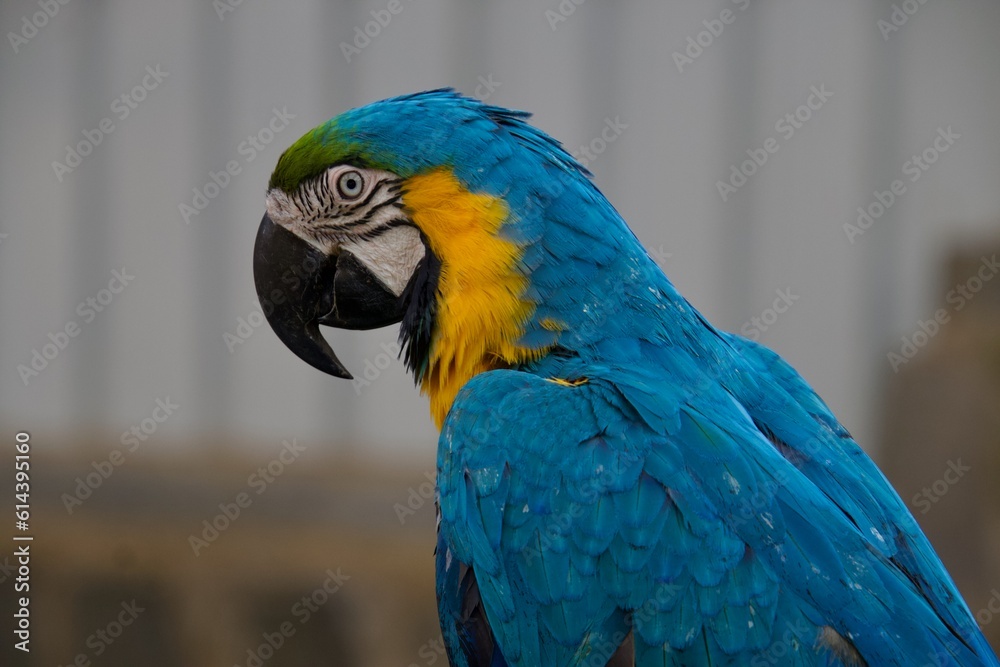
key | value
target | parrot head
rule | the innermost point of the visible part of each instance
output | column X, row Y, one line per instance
column 471, row 228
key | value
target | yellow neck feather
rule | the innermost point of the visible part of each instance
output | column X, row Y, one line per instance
column 481, row 310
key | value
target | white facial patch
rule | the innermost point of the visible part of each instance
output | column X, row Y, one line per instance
column 281, row 209
column 392, row 257
column 285, row 212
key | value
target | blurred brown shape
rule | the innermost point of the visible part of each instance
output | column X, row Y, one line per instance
column 129, row 546
column 942, row 430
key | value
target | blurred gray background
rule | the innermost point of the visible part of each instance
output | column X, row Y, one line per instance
column 692, row 88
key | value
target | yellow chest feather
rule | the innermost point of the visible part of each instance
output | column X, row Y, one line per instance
column 480, row 306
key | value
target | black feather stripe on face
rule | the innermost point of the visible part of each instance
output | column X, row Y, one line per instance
column 420, row 296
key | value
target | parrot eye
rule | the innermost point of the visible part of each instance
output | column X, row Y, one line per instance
column 350, row 184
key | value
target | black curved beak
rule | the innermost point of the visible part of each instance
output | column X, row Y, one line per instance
column 301, row 287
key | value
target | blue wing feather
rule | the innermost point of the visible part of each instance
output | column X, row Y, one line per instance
column 632, row 506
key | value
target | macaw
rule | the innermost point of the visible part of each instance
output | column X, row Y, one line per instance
column 618, row 481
